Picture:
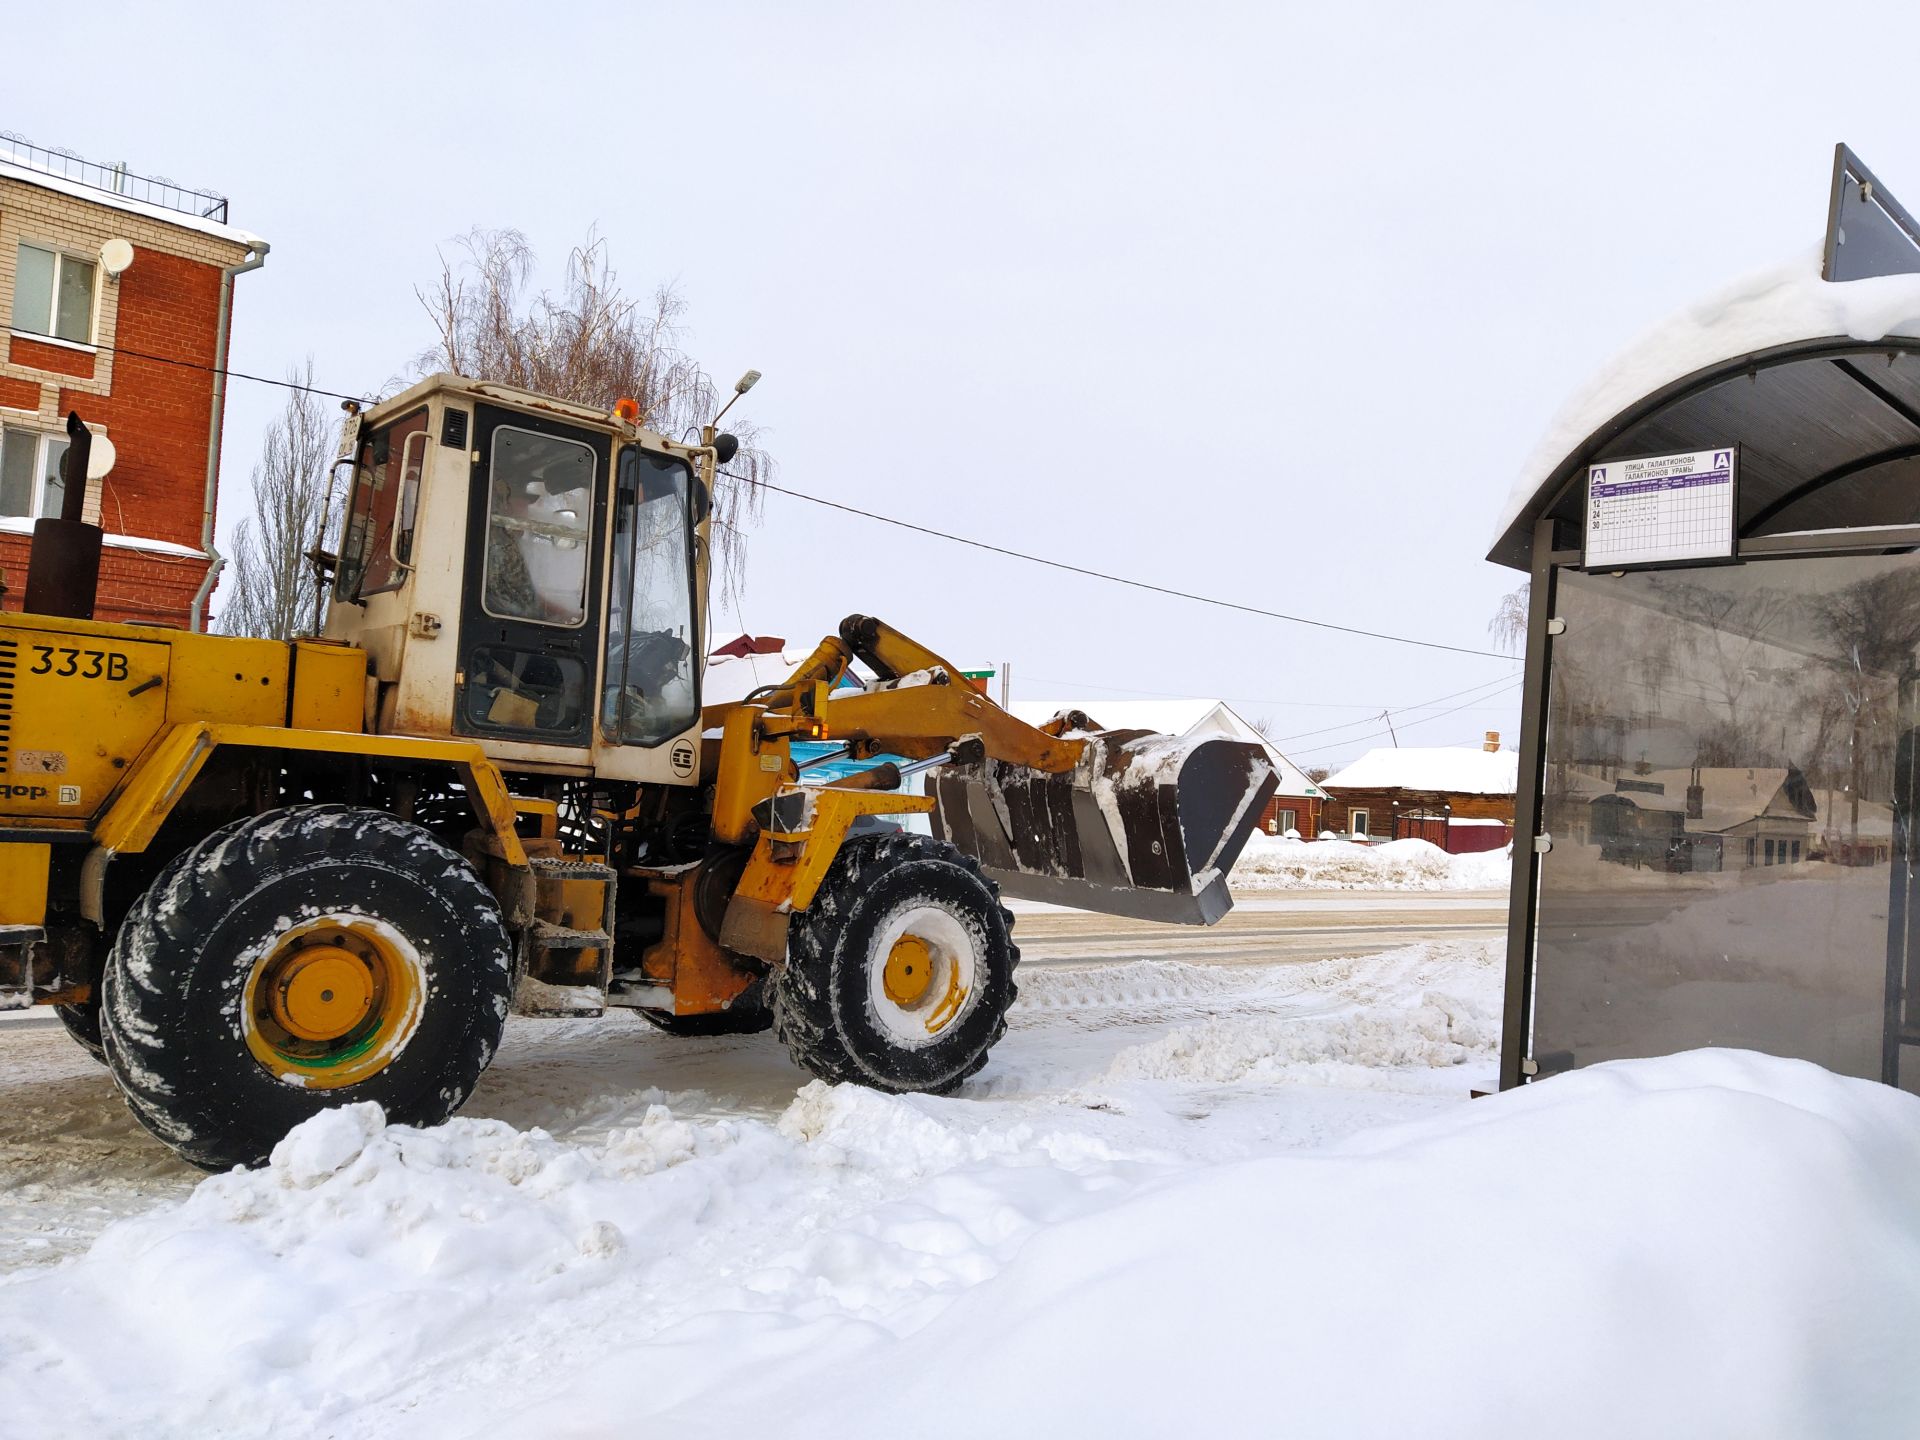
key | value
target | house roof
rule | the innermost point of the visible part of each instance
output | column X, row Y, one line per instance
column 1191, row 716
column 12, row 167
column 1730, row 795
column 1817, row 381
column 1442, row 769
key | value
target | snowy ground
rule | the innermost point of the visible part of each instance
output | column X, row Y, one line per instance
column 1231, row 1199
column 1276, row 863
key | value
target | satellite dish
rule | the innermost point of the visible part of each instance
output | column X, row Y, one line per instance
column 116, row 255
column 101, row 457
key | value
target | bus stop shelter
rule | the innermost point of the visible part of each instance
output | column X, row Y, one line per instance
column 1720, row 745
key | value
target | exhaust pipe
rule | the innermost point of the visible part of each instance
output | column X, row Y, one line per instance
column 63, row 572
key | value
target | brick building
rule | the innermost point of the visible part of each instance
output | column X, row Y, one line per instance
column 1458, row 797
column 111, row 288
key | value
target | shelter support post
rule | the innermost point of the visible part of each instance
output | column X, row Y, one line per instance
column 1523, row 901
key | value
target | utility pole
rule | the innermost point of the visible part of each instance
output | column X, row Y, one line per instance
column 1388, row 717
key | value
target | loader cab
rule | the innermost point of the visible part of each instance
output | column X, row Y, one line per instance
column 528, row 574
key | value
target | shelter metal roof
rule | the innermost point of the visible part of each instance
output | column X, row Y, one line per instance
column 1818, row 382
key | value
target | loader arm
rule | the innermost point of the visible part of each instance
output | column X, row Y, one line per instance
column 1123, row 822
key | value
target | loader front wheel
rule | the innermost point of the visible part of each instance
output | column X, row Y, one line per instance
column 299, row 960
column 83, row 1024
column 900, row 973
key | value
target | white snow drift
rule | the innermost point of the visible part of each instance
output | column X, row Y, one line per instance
column 1174, row 1204
column 1276, row 863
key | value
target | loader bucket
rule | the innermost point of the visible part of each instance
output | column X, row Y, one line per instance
column 1146, row 826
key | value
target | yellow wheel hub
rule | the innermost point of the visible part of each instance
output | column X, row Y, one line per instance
column 333, row 1002
column 909, row 971
column 321, row 993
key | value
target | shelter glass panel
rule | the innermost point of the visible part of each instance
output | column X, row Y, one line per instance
column 1730, row 787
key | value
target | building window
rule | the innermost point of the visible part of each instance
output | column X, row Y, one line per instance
column 53, row 295
column 1357, row 822
column 30, row 482
column 1289, row 820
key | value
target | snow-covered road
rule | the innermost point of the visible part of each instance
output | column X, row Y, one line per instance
column 1236, row 1198
column 72, row 1159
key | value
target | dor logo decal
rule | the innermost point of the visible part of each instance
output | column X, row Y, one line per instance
column 681, row 757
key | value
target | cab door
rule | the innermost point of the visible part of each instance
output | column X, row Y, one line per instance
column 649, row 710
column 530, row 617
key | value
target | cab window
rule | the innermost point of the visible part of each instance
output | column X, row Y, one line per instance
column 539, row 524
column 376, row 549
column 650, row 693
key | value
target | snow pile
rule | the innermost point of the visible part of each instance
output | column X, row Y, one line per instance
column 1713, row 1244
column 1275, row 863
column 1172, row 1205
column 1777, row 306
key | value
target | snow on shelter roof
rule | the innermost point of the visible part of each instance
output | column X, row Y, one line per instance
column 1172, row 717
column 1445, row 769
column 1765, row 364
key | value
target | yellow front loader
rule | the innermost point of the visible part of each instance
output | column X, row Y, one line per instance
column 262, row 878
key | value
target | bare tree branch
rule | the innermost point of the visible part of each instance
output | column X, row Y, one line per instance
column 270, row 590
column 591, row 344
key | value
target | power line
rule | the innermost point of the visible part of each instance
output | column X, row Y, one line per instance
column 216, row 370
column 1492, row 685
column 1513, row 684
column 1114, row 579
column 1372, row 708
column 890, row 520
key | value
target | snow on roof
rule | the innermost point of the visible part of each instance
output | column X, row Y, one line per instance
column 730, row 678
column 1729, row 795
column 1447, row 769
column 12, row 167
column 1785, row 305
column 1172, row 717
column 23, row 525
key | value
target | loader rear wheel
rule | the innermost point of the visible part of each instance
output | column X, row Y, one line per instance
column 899, row 974
column 299, row 960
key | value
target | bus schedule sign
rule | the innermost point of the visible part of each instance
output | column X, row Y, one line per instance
column 1660, row 509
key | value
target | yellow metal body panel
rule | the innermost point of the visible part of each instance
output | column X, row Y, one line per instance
column 84, row 708
column 702, row 976
column 834, row 812
column 786, row 870
column 165, row 775
column 752, row 766
column 23, row 884
column 228, row 680
column 91, row 699
column 329, row 687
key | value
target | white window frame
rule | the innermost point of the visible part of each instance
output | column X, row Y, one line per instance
column 1360, row 822
column 41, row 440
column 1289, row 820
column 60, row 257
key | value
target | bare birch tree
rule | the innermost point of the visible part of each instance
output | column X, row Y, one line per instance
column 592, row 344
column 1509, row 624
column 270, row 586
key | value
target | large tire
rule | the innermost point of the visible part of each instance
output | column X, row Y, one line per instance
column 233, row 1008
column 900, row 973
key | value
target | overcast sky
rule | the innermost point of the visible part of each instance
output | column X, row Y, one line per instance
column 1267, row 301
